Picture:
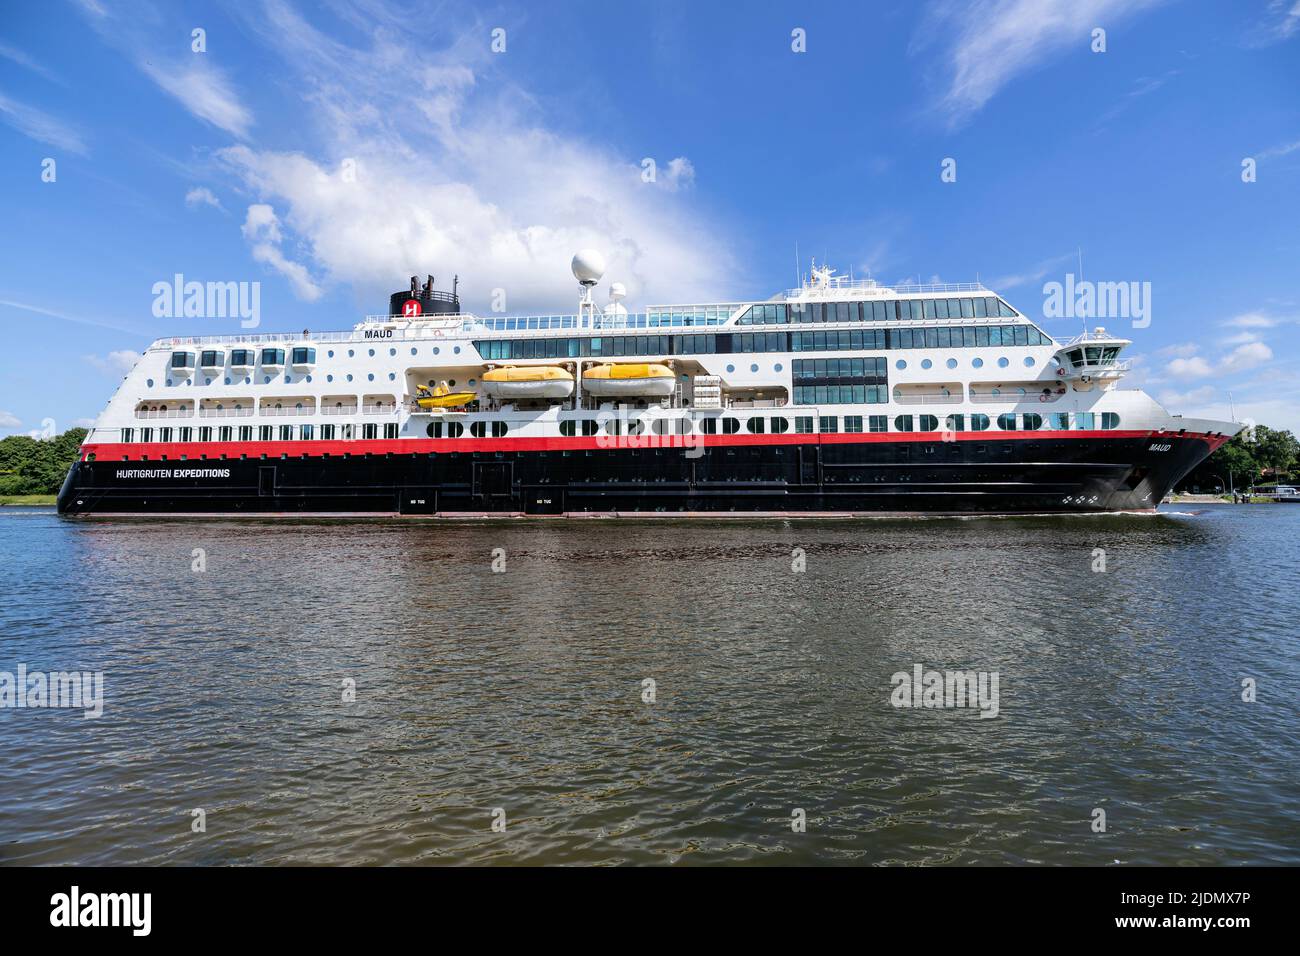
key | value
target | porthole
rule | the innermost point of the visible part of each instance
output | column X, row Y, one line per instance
column 1003, row 362
column 775, row 368
column 227, row 381
column 309, row 378
column 730, row 368
column 1029, row 361
column 754, row 367
column 372, row 352
column 351, row 353
column 394, row 351
column 952, row 363
column 329, row 378
column 977, row 362
column 436, row 350
column 150, row 383
column 926, row 363
column 900, row 364
column 370, row 377
column 330, row 353
column 456, row 350
column 413, row 351
column 349, row 376
column 392, row 376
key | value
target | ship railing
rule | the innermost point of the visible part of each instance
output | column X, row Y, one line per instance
column 225, row 412
column 338, row 409
column 1093, row 336
column 839, row 283
column 927, row 398
column 272, row 412
column 170, row 413
column 758, row 403
column 380, row 409
column 1016, row 398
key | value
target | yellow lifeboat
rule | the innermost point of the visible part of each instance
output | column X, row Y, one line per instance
column 629, row 378
column 528, row 381
column 442, row 397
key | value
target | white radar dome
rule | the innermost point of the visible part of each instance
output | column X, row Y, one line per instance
column 588, row 266
column 617, row 290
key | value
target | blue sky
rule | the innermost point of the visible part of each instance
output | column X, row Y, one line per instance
column 329, row 150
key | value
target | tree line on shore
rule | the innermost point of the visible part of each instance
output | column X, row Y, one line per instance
column 37, row 466
column 1254, row 456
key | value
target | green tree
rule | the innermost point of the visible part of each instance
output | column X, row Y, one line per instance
column 31, row 466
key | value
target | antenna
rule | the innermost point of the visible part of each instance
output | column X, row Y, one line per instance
column 797, row 278
column 1083, row 319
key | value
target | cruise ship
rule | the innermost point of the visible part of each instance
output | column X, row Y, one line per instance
column 841, row 397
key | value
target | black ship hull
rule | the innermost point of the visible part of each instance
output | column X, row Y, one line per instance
column 1006, row 473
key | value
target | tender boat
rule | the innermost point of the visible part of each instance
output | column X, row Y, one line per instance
column 442, row 397
column 629, row 378
column 535, row 381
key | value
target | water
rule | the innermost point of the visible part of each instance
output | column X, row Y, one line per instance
column 523, row 690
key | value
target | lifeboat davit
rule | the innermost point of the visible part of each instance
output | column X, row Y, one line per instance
column 539, row 381
column 629, row 378
column 442, row 397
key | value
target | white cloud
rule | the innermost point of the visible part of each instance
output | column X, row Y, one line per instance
column 262, row 230
column 204, row 91
column 1181, row 350
column 989, row 42
column 455, row 173
column 202, row 195
column 1252, row 320
column 1034, row 274
column 83, row 423
column 678, row 174
column 36, row 125
column 1280, row 22
column 10, row 420
column 1193, row 367
column 23, row 60
column 118, row 362
column 1282, row 149
column 1246, row 356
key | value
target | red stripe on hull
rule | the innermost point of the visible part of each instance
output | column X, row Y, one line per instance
column 155, row 451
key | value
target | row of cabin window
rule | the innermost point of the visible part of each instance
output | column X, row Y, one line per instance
column 728, row 343
column 225, row 433
column 878, row 310
column 803, row 424
column 211, row 358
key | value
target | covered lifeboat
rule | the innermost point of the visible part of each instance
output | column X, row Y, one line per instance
column 539, row 381
column 629, row 378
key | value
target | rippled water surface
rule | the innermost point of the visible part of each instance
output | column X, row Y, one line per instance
column 522, row 690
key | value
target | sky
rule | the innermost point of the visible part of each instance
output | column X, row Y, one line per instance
column 329, row 150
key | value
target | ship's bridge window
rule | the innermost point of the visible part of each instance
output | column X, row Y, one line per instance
column 272, row 357
column 241, row 358
column 182, row 360
column 210, row 358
